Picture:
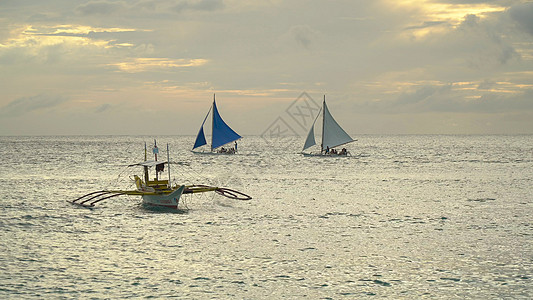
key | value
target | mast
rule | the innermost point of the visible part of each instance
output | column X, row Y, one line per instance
column 146, row 175
column 155, row 150
column 212, row 122
column 323, row 120
column 168, row 165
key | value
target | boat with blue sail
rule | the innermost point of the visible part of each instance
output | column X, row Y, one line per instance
column 333, row 135
column 221, row 134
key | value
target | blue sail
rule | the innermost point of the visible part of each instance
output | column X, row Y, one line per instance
column 200, row 138
column 222, row 133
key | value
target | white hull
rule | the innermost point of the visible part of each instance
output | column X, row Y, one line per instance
column 165, row 200
column 326, row 155
column 213, row 153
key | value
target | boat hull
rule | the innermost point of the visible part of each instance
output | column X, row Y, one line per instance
column 326, row 155
column 213, row 153
column 170, row 200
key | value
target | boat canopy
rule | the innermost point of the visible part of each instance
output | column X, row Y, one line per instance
column 149, row 163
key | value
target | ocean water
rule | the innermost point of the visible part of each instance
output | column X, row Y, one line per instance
column 407, row 216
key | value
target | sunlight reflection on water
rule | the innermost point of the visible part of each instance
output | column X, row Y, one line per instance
column 407, row 216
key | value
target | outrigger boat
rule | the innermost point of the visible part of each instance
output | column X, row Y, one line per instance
column 332, row 135
column 156, row 192
column 221, row 134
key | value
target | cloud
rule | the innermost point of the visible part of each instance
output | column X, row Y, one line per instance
column 303, row 35
column 452, row 98
column 496, row 103
column 103, row 108
column 470, row 21
column 99, row 8
column 483, row 42
column 470, row 1
column 522, row 14
column 24, row 105
column 427, row 24
column 51, row 44
column 198, row 5
column 144, row 64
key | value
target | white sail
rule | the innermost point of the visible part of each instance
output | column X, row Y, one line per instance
column 332, row 133
column 310, row 140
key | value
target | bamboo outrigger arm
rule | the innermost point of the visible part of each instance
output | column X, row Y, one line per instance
column 90, row 199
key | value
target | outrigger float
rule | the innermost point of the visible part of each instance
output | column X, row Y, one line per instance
column 157, row 192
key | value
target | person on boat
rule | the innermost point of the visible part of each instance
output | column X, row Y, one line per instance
column 327, row 149
column 235, row 146
column 343, row 151
column 155, row 151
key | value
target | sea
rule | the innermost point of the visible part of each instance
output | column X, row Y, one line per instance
column 403, row 217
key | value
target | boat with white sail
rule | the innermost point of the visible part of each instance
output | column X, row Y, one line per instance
column 333, row 135
column 221, row 134
column 156, row 191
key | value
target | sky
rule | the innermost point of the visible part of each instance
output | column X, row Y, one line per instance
column 151, row 67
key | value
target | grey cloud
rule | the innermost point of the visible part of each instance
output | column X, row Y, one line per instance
column 503, row 103
column 487, row 41
column 506, row 53
column 103, row 108
column 470, row 20
column 523, row 15
column 419, row 96
column 25, row 105
column 99, row 8
column 470, row 1
column 199, row 5
column 446, row 99
column 486, row 84
column 303, row 35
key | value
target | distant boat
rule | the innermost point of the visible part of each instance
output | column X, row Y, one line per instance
column 221, row 134
column 332, row 135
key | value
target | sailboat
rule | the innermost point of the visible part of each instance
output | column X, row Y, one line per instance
column 156, row 191
column 332, row 135
column 221, row 133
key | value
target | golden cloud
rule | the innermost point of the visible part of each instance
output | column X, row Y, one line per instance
column 434, row 18
column 30, row 37
column 144, row 64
